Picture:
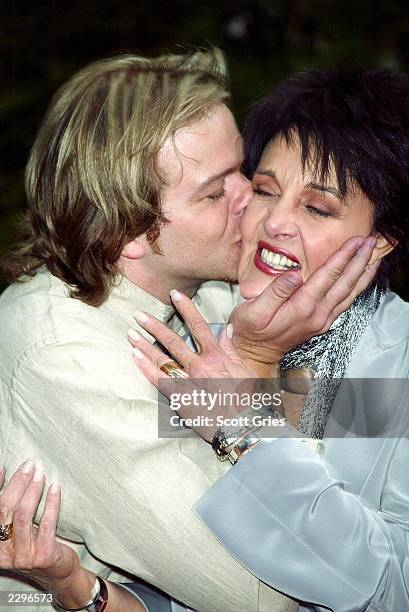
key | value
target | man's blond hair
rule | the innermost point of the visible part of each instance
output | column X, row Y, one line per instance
column 92, row 179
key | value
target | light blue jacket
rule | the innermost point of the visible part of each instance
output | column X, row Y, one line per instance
column 334, row 530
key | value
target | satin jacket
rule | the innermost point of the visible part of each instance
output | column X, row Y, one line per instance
column 332, row 530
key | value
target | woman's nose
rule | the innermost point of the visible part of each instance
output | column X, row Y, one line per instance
column 280, row 222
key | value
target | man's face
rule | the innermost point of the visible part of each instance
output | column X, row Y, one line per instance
column 203, row 200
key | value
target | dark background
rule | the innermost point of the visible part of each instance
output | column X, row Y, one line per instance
column 42, row 43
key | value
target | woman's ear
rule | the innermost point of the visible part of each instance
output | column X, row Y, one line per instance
column 133, row 250
column 383, row 247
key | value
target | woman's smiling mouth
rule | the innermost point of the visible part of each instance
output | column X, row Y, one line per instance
column 273, row 260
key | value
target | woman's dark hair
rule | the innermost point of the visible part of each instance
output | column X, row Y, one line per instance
column 356, row 122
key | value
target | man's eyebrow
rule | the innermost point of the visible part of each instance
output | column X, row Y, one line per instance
column 331, row 190
column 215, row 177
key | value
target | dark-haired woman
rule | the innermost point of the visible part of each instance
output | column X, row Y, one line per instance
column 328, row 156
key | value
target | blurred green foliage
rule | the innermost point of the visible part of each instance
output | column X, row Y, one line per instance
column 44, row 42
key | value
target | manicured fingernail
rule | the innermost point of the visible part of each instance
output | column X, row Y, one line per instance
column 55, row 487
column 1, row 471
column 137, row 353
column 292, row 281
column 371, row 242
column 367, row 245
column 133, row 335
column 229, row 331
column 38, row 475
column 141, row 317
column 27, row 467
column 175, row 295
column 374, row 264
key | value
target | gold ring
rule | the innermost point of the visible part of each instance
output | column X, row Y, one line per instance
column 6, row 531
column 173, row 369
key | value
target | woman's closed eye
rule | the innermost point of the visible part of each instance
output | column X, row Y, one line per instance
column 265, row 193
column 319, row 212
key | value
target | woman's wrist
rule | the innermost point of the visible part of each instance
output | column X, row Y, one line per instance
column 75, row 590
column 262, row 369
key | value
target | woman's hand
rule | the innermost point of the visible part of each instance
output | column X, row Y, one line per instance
column 37, row 554
column 289, row 312
column 34, row 551
column 283, row 315
column 216, row 359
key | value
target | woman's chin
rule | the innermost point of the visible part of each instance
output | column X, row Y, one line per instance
column 251, row 289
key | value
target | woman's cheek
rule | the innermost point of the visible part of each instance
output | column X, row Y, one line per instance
column 316, row 256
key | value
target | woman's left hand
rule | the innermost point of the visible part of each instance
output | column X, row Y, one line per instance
column 216, row 357
column 34, row 551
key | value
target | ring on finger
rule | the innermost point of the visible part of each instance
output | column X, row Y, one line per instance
column 173, row 369
column 6, row 531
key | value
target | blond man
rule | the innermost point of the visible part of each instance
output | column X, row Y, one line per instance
column 134, row 188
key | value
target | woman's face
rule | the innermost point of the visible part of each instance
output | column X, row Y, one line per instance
column 294, row 222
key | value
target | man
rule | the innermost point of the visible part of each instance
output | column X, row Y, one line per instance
column 134, row 187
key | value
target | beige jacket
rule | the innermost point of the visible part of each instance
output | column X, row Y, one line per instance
column 72, row 399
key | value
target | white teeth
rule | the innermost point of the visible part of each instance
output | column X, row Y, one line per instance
column 280, row 262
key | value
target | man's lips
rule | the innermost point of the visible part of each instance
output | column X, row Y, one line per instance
column 269, row 268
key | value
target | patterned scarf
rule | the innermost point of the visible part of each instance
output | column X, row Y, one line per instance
column 329, row 355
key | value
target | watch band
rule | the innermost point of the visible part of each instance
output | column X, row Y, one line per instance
column 231, row 446
column 99, row 601
column 242, row 446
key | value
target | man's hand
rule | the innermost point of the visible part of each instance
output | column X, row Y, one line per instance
column 288, row 312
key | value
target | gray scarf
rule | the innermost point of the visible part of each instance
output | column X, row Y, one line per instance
column 329, row 355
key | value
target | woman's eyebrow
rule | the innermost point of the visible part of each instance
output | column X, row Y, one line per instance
column 312, row 185
column 269, row 173
column 331, row 190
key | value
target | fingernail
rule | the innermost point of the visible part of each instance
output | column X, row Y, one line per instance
column 141, row 317
column 229, row 331
column 1, row 471
column 137, row 353
column 367, row 245
column 55, row 486
column 375, row 264
column 26, row 467
column 292, row 281
column 175, row 295
column 371, row 242
column 133, row 335
column 38, row 475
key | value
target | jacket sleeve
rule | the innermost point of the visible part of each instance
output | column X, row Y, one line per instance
column 282, row 515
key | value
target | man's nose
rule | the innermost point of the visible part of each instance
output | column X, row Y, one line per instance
column 243, row 196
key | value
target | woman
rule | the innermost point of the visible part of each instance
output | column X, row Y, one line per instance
column 328, row 159
column 327, row 155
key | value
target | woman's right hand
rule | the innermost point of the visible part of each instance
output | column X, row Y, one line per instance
column 285, row 314
column 32, row 550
